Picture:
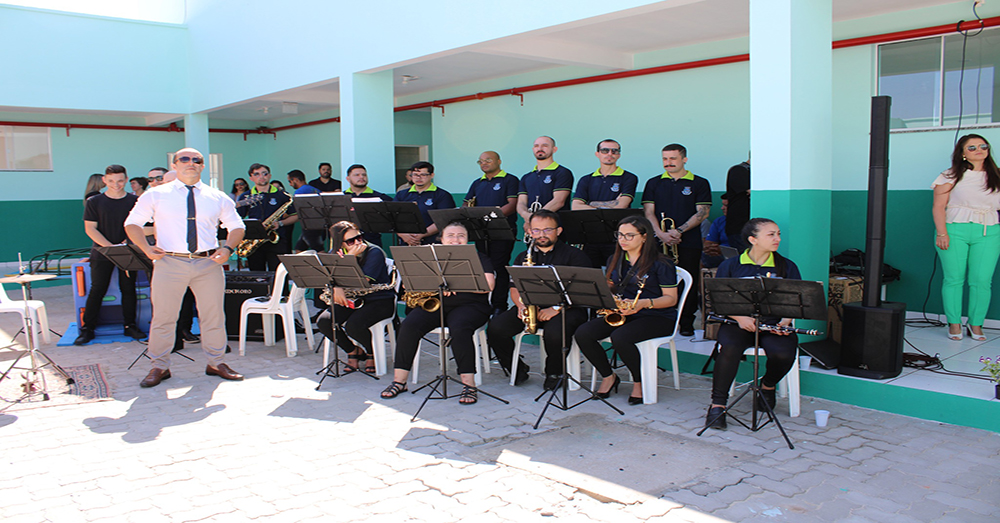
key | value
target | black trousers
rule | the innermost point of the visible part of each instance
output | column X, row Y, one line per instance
column 265, row 258
column 462, row 323
column 623, row 340
column 499, row 253
column 780, row 351
column 185, row 320
column 356, row 323
column 503, row 327
column 690, row 260
column 101, row 270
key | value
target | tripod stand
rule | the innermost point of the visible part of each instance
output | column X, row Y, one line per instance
column 763, row 297
column 546, row 286
column 453, row 268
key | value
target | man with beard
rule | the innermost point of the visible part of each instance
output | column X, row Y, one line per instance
column 547, row 186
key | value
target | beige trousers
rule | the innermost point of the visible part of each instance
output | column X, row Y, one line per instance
column 171, row 278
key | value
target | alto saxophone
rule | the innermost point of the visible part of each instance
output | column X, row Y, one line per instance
column 426, row 300
column 669, row 250
column 531, row 311
column 246, row 247
column 327, row 295
column 614, row 317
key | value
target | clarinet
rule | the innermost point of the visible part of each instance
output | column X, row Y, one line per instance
column 776, row 329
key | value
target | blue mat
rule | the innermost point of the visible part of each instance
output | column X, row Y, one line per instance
column 109, row 333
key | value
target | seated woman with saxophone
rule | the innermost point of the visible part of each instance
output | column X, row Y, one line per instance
column 356, row 316
column 761, row 259
column 644, row 283
column 464, row 312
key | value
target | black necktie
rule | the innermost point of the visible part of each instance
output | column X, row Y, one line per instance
column 192, row 235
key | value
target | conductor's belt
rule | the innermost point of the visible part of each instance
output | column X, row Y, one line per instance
column 192, row 255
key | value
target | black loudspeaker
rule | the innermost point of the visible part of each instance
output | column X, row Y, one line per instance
column 241, row 285
column 872, row 340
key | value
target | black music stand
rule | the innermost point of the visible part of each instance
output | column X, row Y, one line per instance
column 389, row 217
column 592, row 225
column 316, row 271
column 454, row 268
column 483, row 223
column 757, row 297
column 545, row 286
column 319, row 211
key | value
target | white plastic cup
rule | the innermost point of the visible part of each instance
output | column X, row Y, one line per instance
column 805, row 362
column 822, row 416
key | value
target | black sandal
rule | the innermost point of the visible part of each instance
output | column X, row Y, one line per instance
column 359, row 357
column 394, row 389
column 468, row 396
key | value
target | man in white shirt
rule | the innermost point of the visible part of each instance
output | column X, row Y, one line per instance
column 187, row 213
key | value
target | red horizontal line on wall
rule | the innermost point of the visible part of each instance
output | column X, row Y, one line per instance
column 519, row 91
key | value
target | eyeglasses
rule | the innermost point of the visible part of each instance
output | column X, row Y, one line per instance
column 982, row 147
column 488, row 160
column 185, row 159
column 627, row 235
column 609, row 150
column 265, row 173
column 414, row 175
column 547, row 230
column 156, row 178
column 352, row 240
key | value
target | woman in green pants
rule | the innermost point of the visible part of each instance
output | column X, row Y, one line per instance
column 966, row 201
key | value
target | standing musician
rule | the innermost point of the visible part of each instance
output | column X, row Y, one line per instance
column 685, row 199
column 187, row 214
column 609, row 187
column 761, row 259
column 546, row 249
column 265, row 257
column 496, row 188
column 464, row 313
column 547, row 186
column 427, row 196
column 354, row 320
column 646, row 283
column 358, row 190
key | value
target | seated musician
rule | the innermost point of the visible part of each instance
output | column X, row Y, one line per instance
column 464, row 312
column 356, row 321
column 546, row 249
column 646, row 282
column 761, row 259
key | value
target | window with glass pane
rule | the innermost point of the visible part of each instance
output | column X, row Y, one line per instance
column 910, row 72
column 980, row 86
column 25, row 149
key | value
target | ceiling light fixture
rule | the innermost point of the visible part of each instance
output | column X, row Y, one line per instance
column 407, row 78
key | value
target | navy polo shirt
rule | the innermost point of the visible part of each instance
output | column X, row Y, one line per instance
column 743, row 266
column 494, row 192
column 431, row 198
column 679, row 199
column 541, row 185
column 597, row 188
column 662, row 275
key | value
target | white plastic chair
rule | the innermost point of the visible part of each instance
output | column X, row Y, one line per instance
column 648, row 350
column 380, row 331
column 478, row 341
column 36, row 311
column 277, row 305
column 788, row 387
column 572, row 361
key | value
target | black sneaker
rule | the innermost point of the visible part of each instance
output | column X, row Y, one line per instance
column 551, row 381
column 687, row 331
column 85, row 336
column 134, row 332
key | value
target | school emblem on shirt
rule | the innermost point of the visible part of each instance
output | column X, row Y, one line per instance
column 429, row 202
column 496, row 187
column 274, row 201
column 614, row 187
column 548, row 179
column 686, row 191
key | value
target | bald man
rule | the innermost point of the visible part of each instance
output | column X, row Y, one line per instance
column 496, row 188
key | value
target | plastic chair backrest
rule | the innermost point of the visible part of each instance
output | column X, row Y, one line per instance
column 684, row 276
column 279, row 286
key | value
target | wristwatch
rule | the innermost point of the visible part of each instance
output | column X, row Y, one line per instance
column 557, row 308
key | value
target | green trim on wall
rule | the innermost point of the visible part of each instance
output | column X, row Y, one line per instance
column 48, row 225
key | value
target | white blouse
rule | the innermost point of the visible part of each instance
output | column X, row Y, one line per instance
column 969, row 201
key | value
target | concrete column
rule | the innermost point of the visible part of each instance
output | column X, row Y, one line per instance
column 366, row 127
column 791, row 125
column 196, row 132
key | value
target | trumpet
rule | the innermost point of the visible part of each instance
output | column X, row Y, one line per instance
column 669, row 250
column 427, row 300
column 531, row 311
column 614, row 317
column 533, row 208
column 470, row 202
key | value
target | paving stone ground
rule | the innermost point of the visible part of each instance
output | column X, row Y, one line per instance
column 272, row 448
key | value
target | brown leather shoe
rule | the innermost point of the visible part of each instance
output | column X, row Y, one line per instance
column 223, row 371
column 154, row 378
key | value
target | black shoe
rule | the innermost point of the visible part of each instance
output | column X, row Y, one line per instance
column 134, row 332
column 522, row 374
column 85, row 336
column 606, row 395
column 715, row 419
column 190, row 337
column 767, row 395
column 228, row 350
column 551, row 382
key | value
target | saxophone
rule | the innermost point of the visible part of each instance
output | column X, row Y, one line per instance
column 669, row 250
column 426, row 300
column 614, row 317
column 246, row 247
column 354, row 294
column 531, row 311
